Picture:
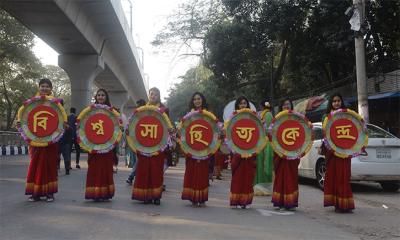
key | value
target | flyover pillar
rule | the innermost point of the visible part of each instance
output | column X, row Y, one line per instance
column 118, row 100
column 82, row 70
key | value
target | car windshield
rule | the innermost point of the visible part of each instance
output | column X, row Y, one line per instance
column 375, row 132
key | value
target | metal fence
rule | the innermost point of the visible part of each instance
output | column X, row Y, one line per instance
column 8, row 138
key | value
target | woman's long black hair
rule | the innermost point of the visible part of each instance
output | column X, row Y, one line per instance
column 204, row 104
column 108, row 103
column 239, row 99
column 329, row 107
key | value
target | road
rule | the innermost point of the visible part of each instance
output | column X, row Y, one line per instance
column 70, row 216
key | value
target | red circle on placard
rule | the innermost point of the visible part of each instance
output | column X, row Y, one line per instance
column 42, row 121
column 149, row 140
column 94, row 133
column 291, row 135
column 344, row 133
column 205, row 134
column 251, row 140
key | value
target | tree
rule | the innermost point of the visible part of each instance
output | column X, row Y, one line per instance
column 61, row 83
column 301, row 46
column 197, row 79
column 18, row 67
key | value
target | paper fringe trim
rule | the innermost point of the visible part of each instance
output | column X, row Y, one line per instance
column 358, row 117
column 52, row 99
column 84, row 112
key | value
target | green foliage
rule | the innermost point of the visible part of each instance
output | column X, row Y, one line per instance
column 20, row 69
column 298, row 45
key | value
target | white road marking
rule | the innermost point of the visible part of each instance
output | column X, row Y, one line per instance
column 268, row 213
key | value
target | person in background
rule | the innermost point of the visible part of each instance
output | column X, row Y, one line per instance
column 131, row 154
column 65, row 144
column 75, row 144
column 264, row 158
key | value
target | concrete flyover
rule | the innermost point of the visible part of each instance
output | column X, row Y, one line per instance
column 95, row 44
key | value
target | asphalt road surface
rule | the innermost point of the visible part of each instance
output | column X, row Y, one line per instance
column 70, row 216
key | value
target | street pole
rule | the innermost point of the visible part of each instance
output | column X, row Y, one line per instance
column 362, row 90
column 271, row 100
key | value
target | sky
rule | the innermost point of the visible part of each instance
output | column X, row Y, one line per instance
column 149, row 17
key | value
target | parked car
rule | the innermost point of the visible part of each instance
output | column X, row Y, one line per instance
column 380, row 163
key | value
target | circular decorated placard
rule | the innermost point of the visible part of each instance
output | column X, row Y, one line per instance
column 290, row 134
column 147, row 131
column 42, row 120
column 345, row 133
column 98, row 128
column 244, row 133
column 199, row 134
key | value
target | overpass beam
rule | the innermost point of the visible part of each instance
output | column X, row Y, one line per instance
column 82, row 70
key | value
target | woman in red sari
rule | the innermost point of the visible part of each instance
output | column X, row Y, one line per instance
column 337, row 189
column 243, row 171
column 99, row 179
column 149, row 178
column 286, row 187
column 195, row 183
column 41, row 180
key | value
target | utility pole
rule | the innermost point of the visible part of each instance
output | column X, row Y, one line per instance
column 362, row 91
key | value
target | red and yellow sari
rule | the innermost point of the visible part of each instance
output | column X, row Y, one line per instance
column 243, row 173
column 42, row 175
column 99, row 179
column 286, row 187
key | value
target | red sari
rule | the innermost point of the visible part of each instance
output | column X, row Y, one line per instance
column 219, row 163
column 286, row 185
column 42, row 175
column 195, row 183
column 243, row 173
column 99, row 179
column 337, row 189
column 149, row 178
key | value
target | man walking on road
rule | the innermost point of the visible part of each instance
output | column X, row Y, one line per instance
column 72, row 125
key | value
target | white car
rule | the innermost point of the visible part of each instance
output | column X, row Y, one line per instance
column 380, row 163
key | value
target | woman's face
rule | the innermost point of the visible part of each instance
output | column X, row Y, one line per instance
column 101, row 97
column 197, row 101
column 286, row 105
column 44, row 89
column 153, row 97
column 243, row 104
column 336, row 102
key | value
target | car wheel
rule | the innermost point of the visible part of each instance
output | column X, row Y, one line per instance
column 390, row 186
column 320, row 171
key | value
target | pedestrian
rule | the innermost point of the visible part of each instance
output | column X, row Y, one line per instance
column 99, row 179
column 243, row 171
column 75, row 144
column 265, row 157
column 148, row 185
column 337, row 189
column 65, row 148
column 41, row 180
column 195, row 182
column 219, row 163
column 132, row 156
column 286, row 186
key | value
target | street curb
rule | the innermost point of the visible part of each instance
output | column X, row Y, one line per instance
column 13, row 150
